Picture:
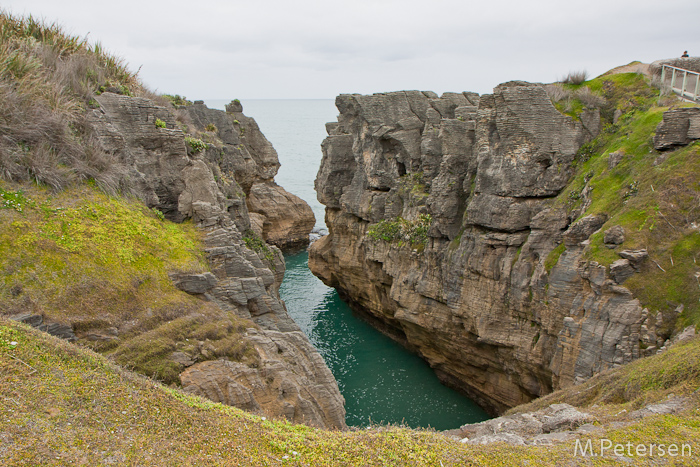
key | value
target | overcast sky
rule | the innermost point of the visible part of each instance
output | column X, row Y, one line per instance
column 225, row 49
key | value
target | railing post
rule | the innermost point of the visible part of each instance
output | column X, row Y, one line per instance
column 663, row 76
column 673, row 79
column 685, row 82
column 697, row 87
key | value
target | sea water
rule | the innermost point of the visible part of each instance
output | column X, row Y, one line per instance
column 381, row 381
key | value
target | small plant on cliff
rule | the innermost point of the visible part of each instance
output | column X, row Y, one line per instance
column 415, row 232
column 177, row 100
column 160, row 123
column 211, row 128
column 195, row 144
column 589, row 98
column 258, row 245
column 158, row 213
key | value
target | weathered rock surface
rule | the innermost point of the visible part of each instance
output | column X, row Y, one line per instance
column 556, row 423
column 169, row 176
column 292, row 381
column 282, row 375
column 61, row 330
column 678, row 128
column 614, row 236
column 475, row 299
column 286, row 219
column 194, row 283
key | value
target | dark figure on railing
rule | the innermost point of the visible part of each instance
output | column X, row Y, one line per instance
column 685, row 54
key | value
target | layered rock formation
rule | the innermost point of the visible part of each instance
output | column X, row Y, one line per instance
column 441, row 224
column 214, row 183
column 240, row 159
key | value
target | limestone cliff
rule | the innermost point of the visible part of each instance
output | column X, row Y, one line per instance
column 186, row 178
column 444, row 227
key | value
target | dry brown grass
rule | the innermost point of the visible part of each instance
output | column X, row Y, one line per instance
column 575, row 77
column 48, row 80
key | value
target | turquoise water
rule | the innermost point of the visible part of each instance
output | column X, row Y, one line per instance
column 380, row 380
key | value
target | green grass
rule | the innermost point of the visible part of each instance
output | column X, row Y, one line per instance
column 553, row 257
column 257, row 244
column 399, row 230
column 63, row 404
column 101, row 264
column 656, row 200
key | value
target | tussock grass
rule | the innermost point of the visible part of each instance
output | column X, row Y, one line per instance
column 575, row 77
column 48, row 80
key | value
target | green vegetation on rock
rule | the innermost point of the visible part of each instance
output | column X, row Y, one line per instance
column 654, row 196
column 102, row 263
column 257, row 244
column 402, row 230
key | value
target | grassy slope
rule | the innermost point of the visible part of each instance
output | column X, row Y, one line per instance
column 105, row 260
column 65, row 405
column 101, row 263
column 654, row 196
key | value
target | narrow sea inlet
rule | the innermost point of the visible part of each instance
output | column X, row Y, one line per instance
column 381, row 381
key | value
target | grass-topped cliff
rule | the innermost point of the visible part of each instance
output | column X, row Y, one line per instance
column 124, row 225
column 76, row 246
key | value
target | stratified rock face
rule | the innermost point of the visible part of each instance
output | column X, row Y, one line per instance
column 475, row 300
column 155, row 157
column 678, row 128
column 237, row 159
column 289, row 378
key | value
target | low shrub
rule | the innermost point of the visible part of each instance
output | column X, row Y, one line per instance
column 589, row 98
column 557, row 92
column 399, row 229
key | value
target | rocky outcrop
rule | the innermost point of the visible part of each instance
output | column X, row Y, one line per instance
column 556, row 423
column 286, row 219
column 212, row 176
column 489, row 296
column 235, row 163
column 678, row 128
column 291, row 380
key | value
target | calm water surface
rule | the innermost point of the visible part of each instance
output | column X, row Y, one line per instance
column 380, row 380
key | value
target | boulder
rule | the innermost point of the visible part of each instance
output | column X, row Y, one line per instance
column 194, row 283
column 635, row 257
column 679, row 127
column 584, row 228
column 615, row 158
column 621, row 270
column 614, row 236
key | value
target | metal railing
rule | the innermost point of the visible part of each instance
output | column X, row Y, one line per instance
column 690, row 82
